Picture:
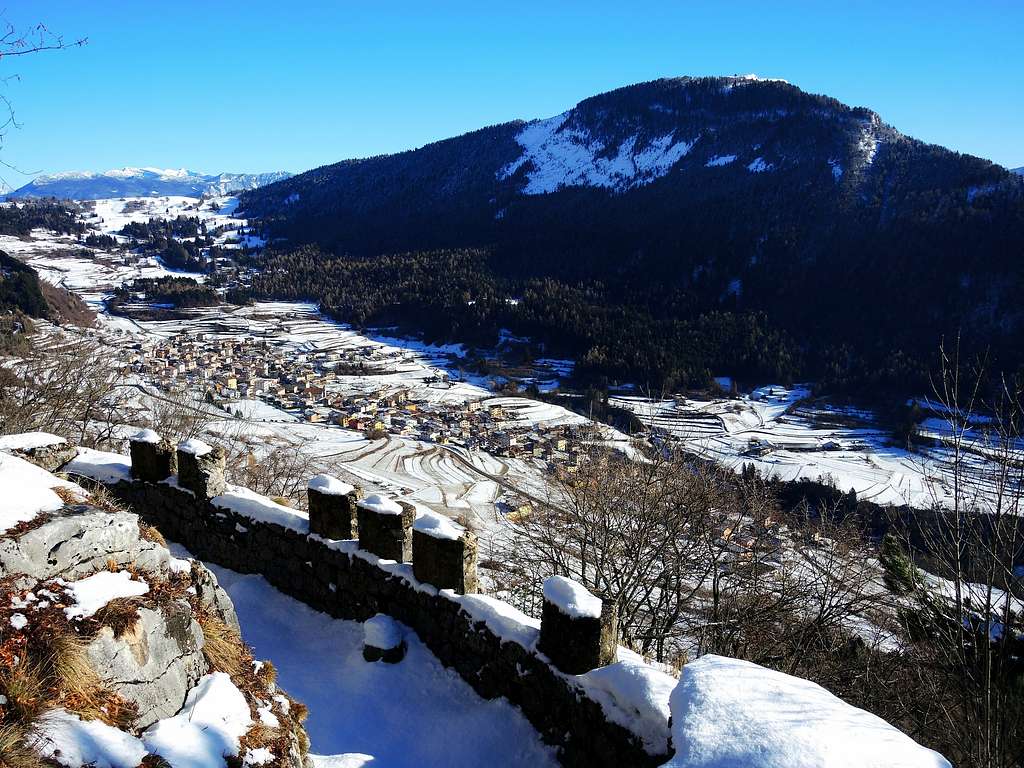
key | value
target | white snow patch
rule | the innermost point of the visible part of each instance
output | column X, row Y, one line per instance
column 330, row 486
column 719, row 160
column 194, row 446
column 146, row 436
column 28, row 490
column 249, row 504
column 101, row 466
column 26, row 441
column 381, row 505
column 381, row 631
column 572, row 598
column 561, row 156
column 639, row 691
column 62, row 736
column 258, row 756
column 94, row 592
column 758, row 165
column 19, row 621
column 207, row 728
column 727, row 712
column 437, row 525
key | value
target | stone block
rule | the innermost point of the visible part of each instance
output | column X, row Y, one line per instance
column 578, row 630
column 385, row 528
column 153, row 458
column 443, row 562
column 201, row 469
column 332, row 508
column 383, row 640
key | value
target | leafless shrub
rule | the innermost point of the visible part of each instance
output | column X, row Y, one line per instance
column 63, row 385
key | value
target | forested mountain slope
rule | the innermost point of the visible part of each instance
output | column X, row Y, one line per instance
column 669, row 229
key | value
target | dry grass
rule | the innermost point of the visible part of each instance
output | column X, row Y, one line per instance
column 298, row 711
column 71, row 673
column 14, row 749
column 67, row 495
column 267, row 674
column 149, row 533
column 25, row 687
column 101, row 498
column 120, row 614
column 223, row 648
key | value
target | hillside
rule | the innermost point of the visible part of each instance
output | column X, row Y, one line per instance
column 140, row 182
column 670, row 229
column 21, row 290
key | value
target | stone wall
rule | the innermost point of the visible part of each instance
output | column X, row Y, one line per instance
column 345, row 582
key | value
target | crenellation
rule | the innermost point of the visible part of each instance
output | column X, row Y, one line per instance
column 385, row 528
column 333, row 515
column 202, row 472
column 338, row 578
column 446, row 563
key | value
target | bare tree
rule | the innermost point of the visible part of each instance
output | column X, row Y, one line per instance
column 965, row 619
column 16, row 42
column 62, row 384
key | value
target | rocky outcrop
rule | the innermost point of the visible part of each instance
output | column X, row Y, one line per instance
column 49, row 457
column 150, row 649
column 77, row 541
column 155, row 662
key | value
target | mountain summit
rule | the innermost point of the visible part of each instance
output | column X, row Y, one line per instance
column 141, row 182
column 675, row 199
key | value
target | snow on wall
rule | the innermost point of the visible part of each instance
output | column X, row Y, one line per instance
column 727, row 713
column 559, row 156
column 329, row 486
column 572, row 598
column 28, row 440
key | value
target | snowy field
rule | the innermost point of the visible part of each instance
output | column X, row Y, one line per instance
column 61, row 260
column 777, row 431
column 444, row 477
column 772, row 428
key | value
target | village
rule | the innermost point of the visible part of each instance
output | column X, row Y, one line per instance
column 316, row 387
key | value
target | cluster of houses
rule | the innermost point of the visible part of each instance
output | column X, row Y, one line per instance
column 747, row 543
column 310, row 386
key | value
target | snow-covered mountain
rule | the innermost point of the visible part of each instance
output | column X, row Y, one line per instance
column 141, row 182
column 1019, row 171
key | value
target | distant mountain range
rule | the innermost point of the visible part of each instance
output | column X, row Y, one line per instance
column 141, row 182
column 672, row 227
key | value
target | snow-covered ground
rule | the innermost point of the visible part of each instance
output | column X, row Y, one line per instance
column 94, row 273
column 728, row 713
column 781, row 435
column 415, row 713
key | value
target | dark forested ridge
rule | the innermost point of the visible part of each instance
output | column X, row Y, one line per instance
column 671, row 229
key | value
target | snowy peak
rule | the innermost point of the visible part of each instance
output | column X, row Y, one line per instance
column 630, row 137
column 142, row 182
column 558, row 153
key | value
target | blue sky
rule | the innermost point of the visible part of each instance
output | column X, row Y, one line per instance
column 254, row 86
